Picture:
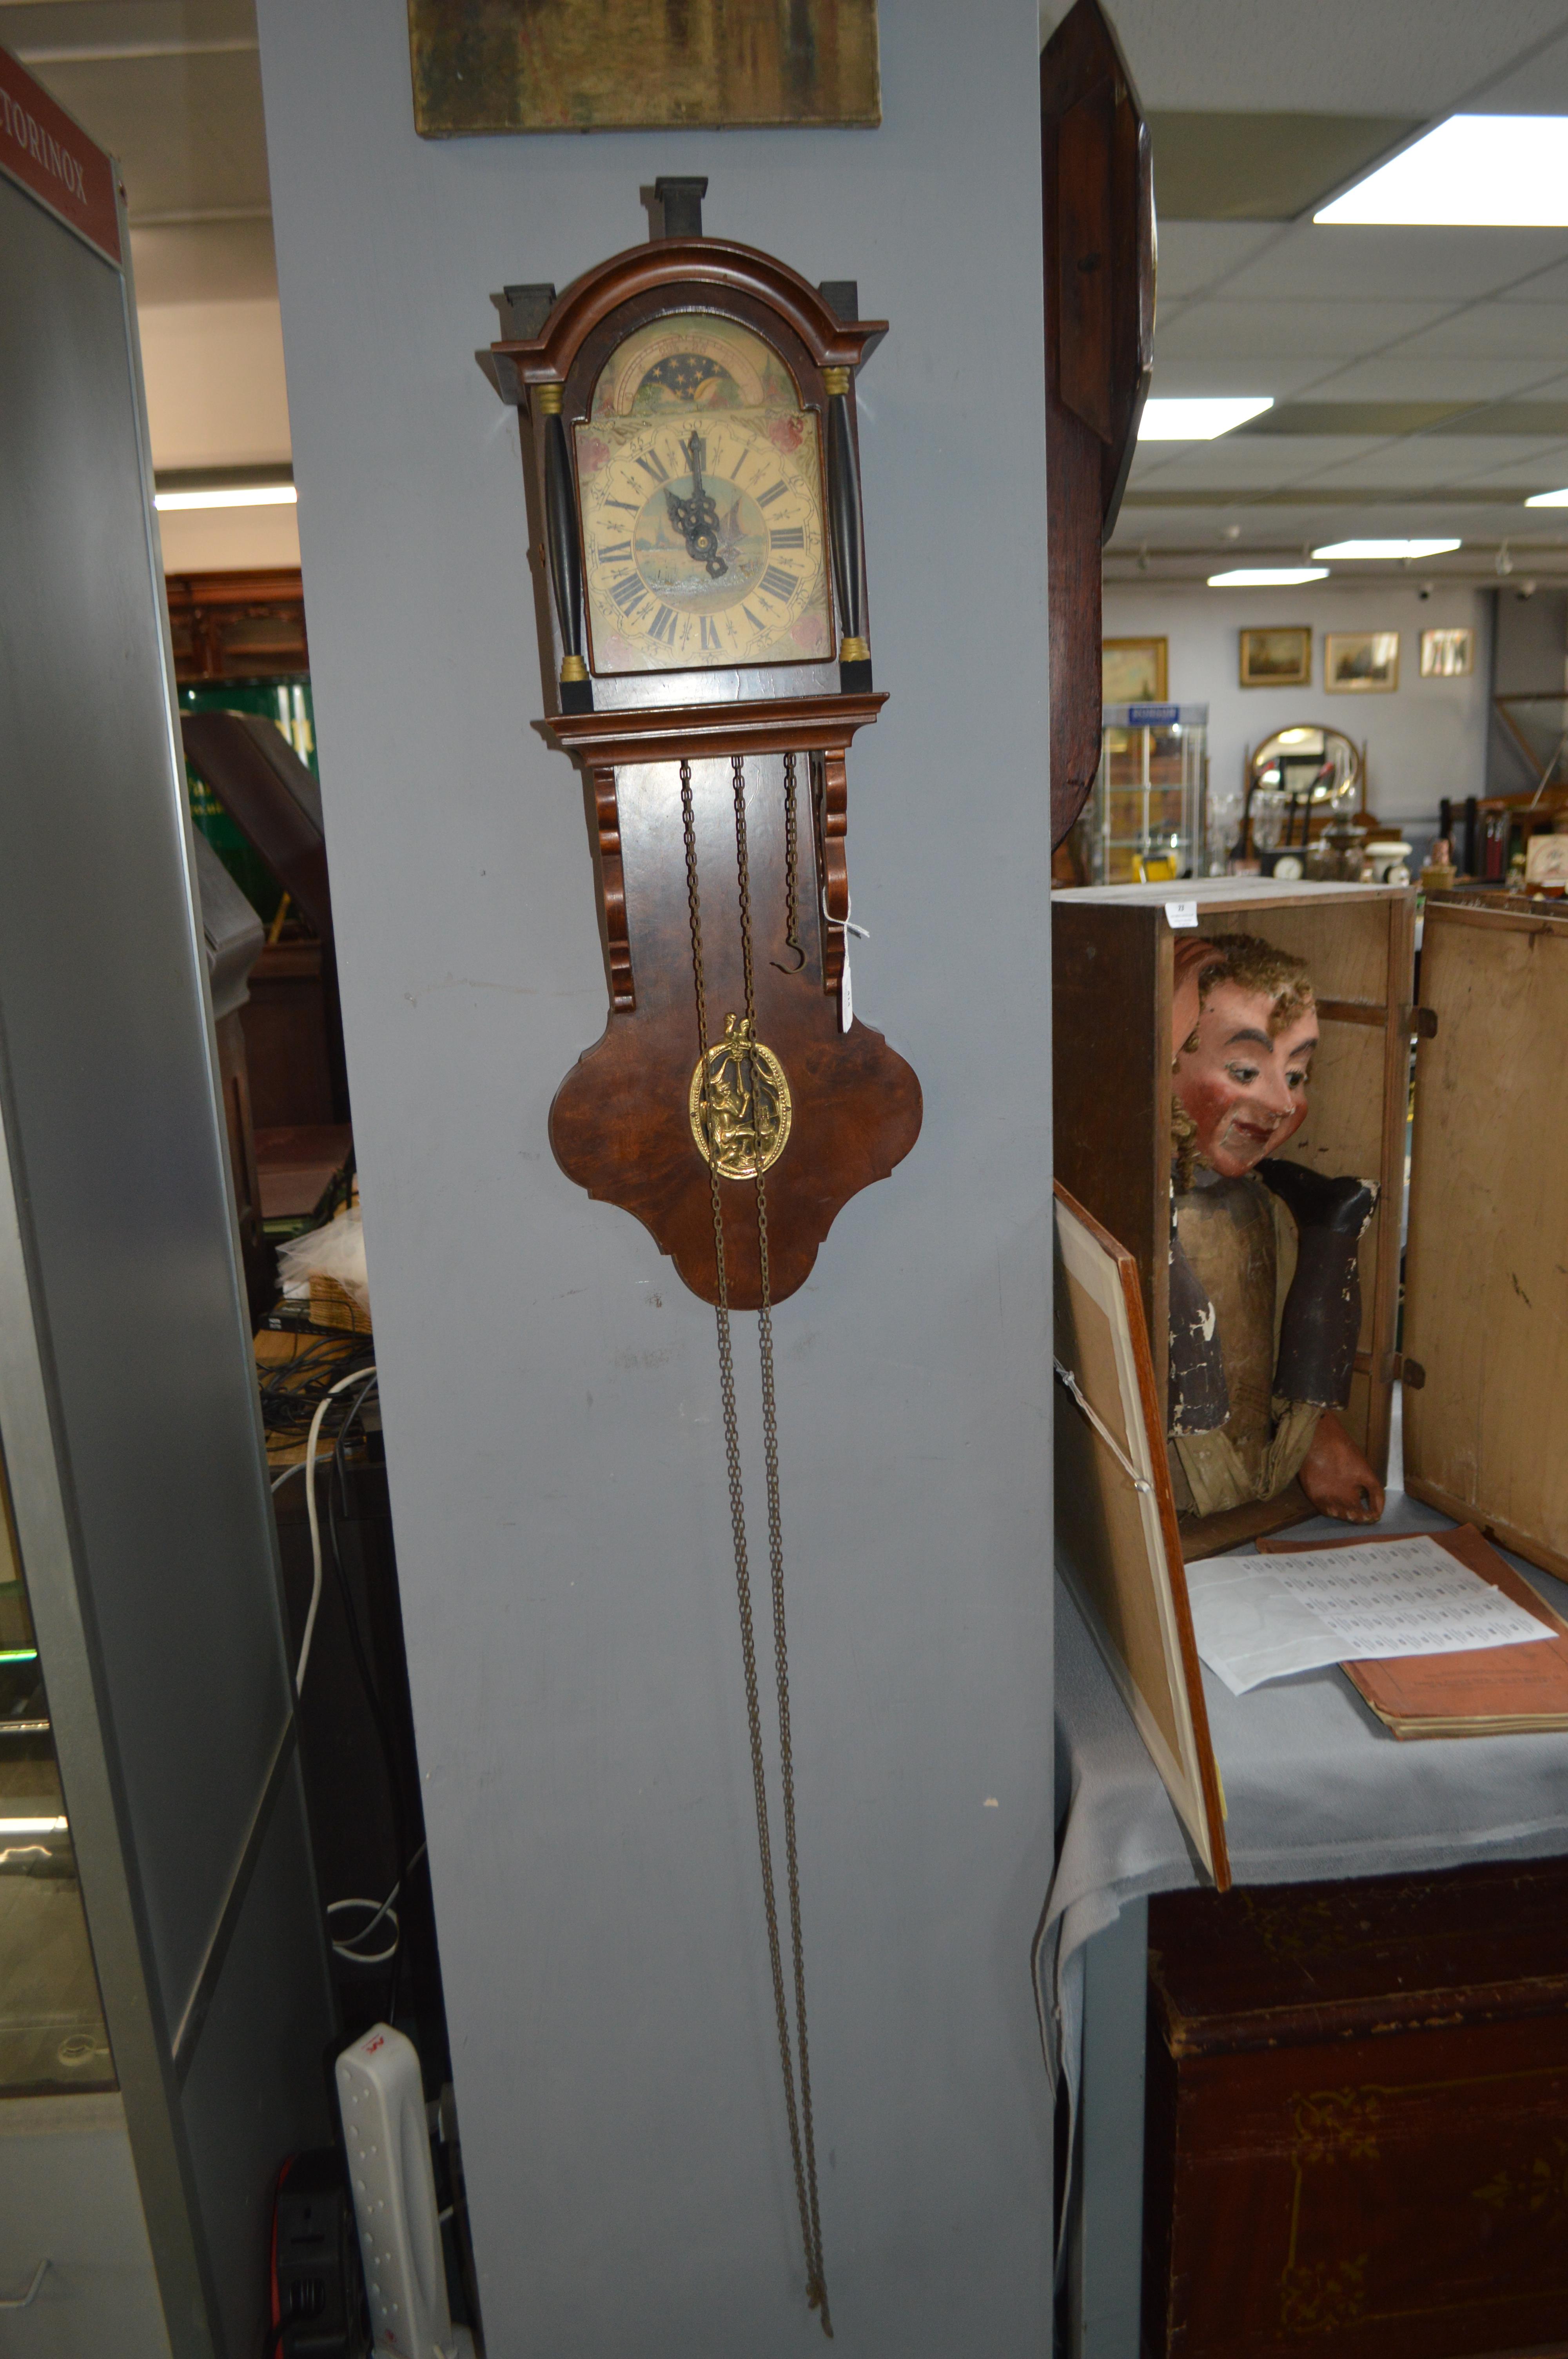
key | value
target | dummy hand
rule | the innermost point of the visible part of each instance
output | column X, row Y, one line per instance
column 1338, row 1478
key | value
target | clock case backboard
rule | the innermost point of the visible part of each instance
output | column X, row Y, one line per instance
column 620, row 1124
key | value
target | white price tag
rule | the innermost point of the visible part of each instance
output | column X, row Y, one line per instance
column 1181, row 913
column 846, row 988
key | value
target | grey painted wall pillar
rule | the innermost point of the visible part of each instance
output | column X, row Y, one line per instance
column 550, row 1389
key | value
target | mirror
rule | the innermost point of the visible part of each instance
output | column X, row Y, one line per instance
column 1297, row 781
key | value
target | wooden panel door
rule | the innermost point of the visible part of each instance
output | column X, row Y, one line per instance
column 1485, row 1329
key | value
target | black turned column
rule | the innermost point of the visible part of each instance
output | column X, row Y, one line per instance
column 564, row 551
column 844, row 534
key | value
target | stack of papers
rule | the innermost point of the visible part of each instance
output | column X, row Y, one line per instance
column 1258, row 1618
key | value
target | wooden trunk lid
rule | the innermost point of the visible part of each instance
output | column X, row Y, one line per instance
column 1292, row 1965
column 1486, row 1315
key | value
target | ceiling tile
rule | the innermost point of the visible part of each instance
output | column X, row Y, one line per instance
column 1192, row 255
column 215, row 384
column 1366, row 264
column 1358, row 417
column 1327, row 331
column 52, row 25
column 1509, row 473
column 1278, row 54
column 1539, row 88
column 1234, row 166
column 1536, row 331
column 187, row 130
column 1543, row 287
column 1400, row 375
column 1441, row 462
column 204, row 262
column 1255, row 465
column 1214, row 373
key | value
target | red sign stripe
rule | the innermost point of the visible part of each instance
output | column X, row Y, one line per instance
column 52, row 158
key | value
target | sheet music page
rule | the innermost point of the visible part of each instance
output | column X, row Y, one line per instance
column 1258, row 1618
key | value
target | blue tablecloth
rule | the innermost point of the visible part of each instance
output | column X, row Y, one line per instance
column 1316, row 1787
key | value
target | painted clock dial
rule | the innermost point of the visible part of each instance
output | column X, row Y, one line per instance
column 699, row 479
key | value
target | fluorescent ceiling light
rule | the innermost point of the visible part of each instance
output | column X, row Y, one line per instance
column 1266, row 577
column 1388, row 548
column 231, row 495
column 1475, row 172
column 1200, row 420
column 1548, row 500
column 33, row 1826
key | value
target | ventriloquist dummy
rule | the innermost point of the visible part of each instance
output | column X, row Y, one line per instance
column 1265, row 1298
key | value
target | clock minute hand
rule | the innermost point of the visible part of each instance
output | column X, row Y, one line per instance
column 697, row 518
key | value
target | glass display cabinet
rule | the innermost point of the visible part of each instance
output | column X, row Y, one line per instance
column 52, row 2037
column 1147, row 819
column 165, row 1990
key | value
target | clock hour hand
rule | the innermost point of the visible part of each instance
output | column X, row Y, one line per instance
column 697, row 518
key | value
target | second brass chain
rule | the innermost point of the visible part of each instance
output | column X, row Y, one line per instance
column 805, row 2164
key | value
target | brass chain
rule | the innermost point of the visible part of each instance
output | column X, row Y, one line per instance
column 817, row 2284
column 804, row 2163
column 792, row 875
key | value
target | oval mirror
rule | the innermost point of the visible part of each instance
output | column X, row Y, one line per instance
column 1298, row 782
column 1308, row 762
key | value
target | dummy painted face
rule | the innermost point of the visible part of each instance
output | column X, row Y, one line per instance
column 1243, row 1085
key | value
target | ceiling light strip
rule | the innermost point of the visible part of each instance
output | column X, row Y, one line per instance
column 1386, row 551
column 229, row 495
column 1198, row 419
column 1474, row 172
column 1266, row 577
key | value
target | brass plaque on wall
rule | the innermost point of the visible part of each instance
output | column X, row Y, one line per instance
column 615, row 65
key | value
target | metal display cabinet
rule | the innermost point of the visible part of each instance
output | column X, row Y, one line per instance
column 142, row 2121
column 1146, row 820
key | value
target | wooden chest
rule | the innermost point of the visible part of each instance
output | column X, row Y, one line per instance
column 1481, row 1340
column 1112, row 952
column 1357, row 2119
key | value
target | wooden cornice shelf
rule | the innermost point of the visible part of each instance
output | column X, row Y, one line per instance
column 806, row 725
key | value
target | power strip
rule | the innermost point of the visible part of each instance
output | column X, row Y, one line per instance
column 382, row 2098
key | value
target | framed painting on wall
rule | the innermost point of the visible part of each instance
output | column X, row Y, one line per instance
column 555, row 65
column 1133, row 671
column 1360, row 663
column 1447, row 654
column 1277, row 658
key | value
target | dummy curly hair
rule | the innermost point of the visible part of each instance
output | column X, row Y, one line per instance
column 1257, row 965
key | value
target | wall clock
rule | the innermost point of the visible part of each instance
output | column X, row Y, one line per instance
column 1098, row 191
column 691, row 463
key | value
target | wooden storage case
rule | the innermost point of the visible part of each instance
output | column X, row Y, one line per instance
column 1113, row 949
column 1486, row 1308
column 1356, row 2101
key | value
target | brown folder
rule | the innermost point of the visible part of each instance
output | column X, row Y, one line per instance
column 1486, row 1691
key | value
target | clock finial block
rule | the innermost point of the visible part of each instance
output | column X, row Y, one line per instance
column 681, row 203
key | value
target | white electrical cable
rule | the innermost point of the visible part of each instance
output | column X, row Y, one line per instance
column 369, row 1957
column 358, row 1377
column 383, row 1908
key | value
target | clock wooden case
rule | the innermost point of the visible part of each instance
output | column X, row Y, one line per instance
column 691, row 458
